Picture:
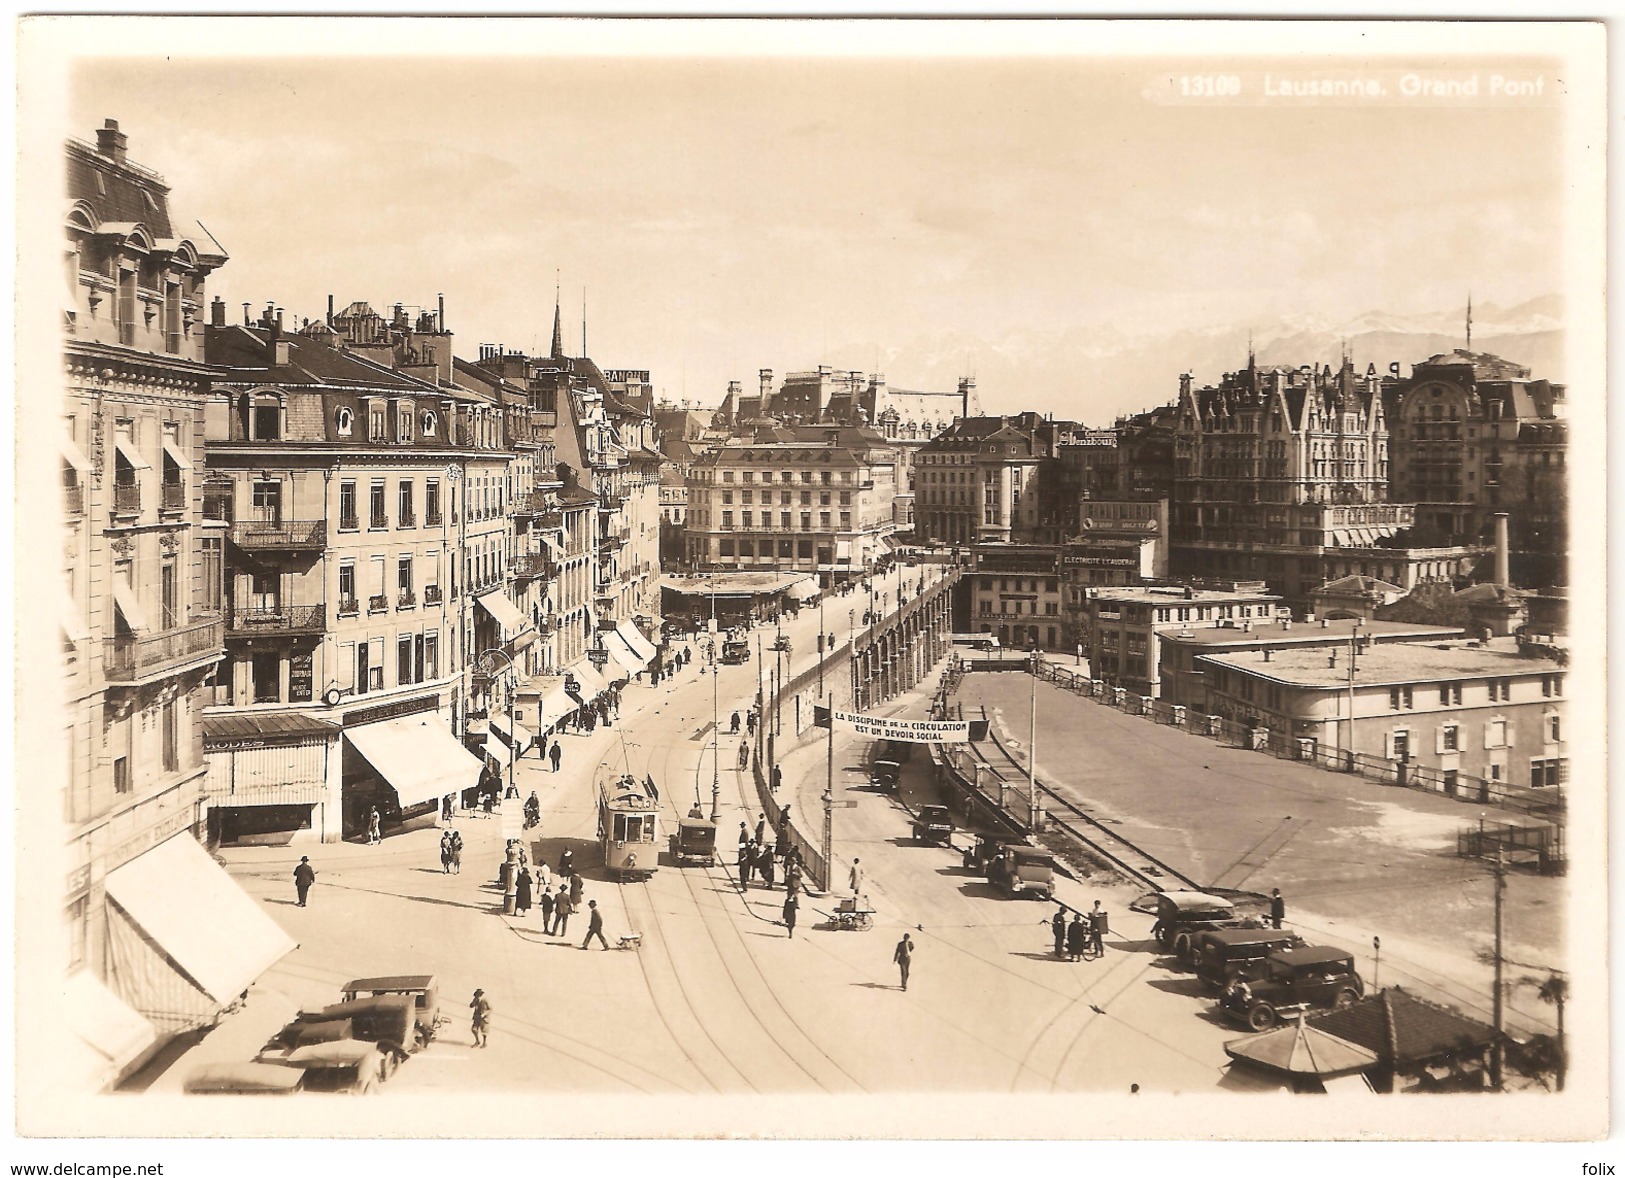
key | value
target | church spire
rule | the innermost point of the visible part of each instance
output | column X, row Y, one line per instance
column 558, row 324
column 1469, row 321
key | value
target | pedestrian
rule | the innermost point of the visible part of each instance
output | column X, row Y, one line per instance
column 1277, row 908
column 765, row 865
column 490, row 801
column 567, row 863
column 750, row 721
column 303, row 876
column 595, row 926
column 792, row 876
column 903, row 955
column 547, row 911
column 445, row 853
column 744, row 835
column 1077, row 936
column 457, row 852
column 521, row 892
column 744, row 756
column 778, row 777
column 1097, row 930
column 445, row 808
column 791, row 903
column 375, row 828
column 1057, row 926
column 481, row 1006
column 761, row 828
column 561, row 911
column 733, row 726
column 747, row 864
column 544, row 877
column 577, row 886
column 854, row 879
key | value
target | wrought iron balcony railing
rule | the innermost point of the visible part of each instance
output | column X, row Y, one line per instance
column 248, row 621
column 139, row 659
column 256, row 535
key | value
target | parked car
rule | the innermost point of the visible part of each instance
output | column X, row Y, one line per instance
column 245, row 1079
column 424, row 990
column 694, row 842
column 735, row 653
column 1182, row 915
column 1226, row 955
column 352, row 1066
column 885, row 774
column 389, row 1019
column 782, row 642
column 933, row 825
column 1024, row 871
column 1293, row 981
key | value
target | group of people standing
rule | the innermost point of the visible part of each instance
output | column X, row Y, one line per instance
column 1083, row 936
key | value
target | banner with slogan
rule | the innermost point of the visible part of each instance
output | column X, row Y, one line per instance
column 908, row 731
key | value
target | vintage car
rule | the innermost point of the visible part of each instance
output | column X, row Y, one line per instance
column 735, row 653
column 345, row 1065
column 1294, row 981
column 782, row 643
column 1023, row 871
column 245, row 1079
column 424, row 990
column 1226, row 955
column 389, row 1019
column 885, row 774
column 1182, row 915
column 933, row 825
column 694, row 842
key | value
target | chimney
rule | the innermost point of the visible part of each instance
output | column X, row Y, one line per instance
column 967, row 386
column 330, row 310
column 111, row 142
column 217, row 312
column 764, row 378
column 1503, row 560
column 247, row 320
column 440, row 314
column 1331, row 657
column 274, row 346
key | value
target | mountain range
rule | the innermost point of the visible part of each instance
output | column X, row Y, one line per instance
column 1095, row 373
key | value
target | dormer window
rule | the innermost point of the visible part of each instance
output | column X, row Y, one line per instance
column 375, row 423
column 428, row 425
column 405, row 426
column 344, row 422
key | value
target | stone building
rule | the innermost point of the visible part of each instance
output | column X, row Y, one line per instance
column 979, row 481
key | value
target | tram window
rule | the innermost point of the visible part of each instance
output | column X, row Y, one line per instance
column 620, row 828
column 634, row 828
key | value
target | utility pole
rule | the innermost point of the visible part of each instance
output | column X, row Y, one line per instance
column 1497, row 1049
column 1032, row 754
column 829, row 802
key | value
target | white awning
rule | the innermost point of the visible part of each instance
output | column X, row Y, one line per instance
column 621, row 656
column 553, row 546
column 112, row 1033
column 556, row 704
column 124, row 598
column 636, row 642
column 504, row 611
column 132, row 455
column 75, row 457
column 177, row 455
column 515, row 734
column 497, row 750
column 418, row 756
column 805, row 589
column 209, row 927
column 592, row 683
column 78, row 633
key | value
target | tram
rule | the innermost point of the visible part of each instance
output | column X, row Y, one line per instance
column 629, row 825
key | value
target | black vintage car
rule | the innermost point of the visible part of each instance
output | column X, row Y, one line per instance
column 933, row 825
column 1226, row 955
column 1294, row 981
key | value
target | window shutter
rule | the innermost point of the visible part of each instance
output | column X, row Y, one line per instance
column 1489, row 734
column 1563, row 770
column 375, row 653
column 1510, row 740
column 1438, row 740
column 346, row 667
column 1388, row 746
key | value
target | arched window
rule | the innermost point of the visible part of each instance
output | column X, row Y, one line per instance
column 428, row 425
column 344, row 421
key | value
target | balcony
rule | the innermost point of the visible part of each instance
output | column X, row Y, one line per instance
column 174, row 497
column 378, row 603
column 263, row 535
column 530, row 565
column 275, row 619
column 127, row 662
column 127, row 499
column 74, row 494
column 408, row 520
column 349, row 523
column 407, row 600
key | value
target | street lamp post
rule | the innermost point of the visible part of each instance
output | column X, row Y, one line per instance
column 510, row 884
column 716, row 728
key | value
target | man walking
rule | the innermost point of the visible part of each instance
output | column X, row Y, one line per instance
column 854, row 879
column 1277, row 908
column 595, row 926
column 547, row 911
column 481, row 1026
column 555, row 754
column 747, row 864
column 1097, row 930
column 761, row 829
column 445, row 853
column 303, row 876
column 577, row 884
column 375, row 828
column 903, row 955
column 778, row 777
column 1057, row 926
column 791, row 903
column 765, row 865
column 744, row 756
column 561, row 911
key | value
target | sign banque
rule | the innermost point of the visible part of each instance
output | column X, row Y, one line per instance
column 910, row 731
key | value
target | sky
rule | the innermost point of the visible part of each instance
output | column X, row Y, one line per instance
column 726, row 214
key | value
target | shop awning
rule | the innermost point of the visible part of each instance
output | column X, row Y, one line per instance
column 621, row 656
column 124, row 598
column 418, row 756
column 555, row 704
column 592, row 683
column 805, row 589
column 177, row 455
column 210, row 928
column 112, row 1034
column 127, row 449
column 75, row 456
column 504, row 611
column 497, row 750
column 636, row 642
column 78, row 633
column 515, row 734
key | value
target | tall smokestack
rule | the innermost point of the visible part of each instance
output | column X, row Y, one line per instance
column 330, row 310
column 440, row 320
column 1503, row 557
